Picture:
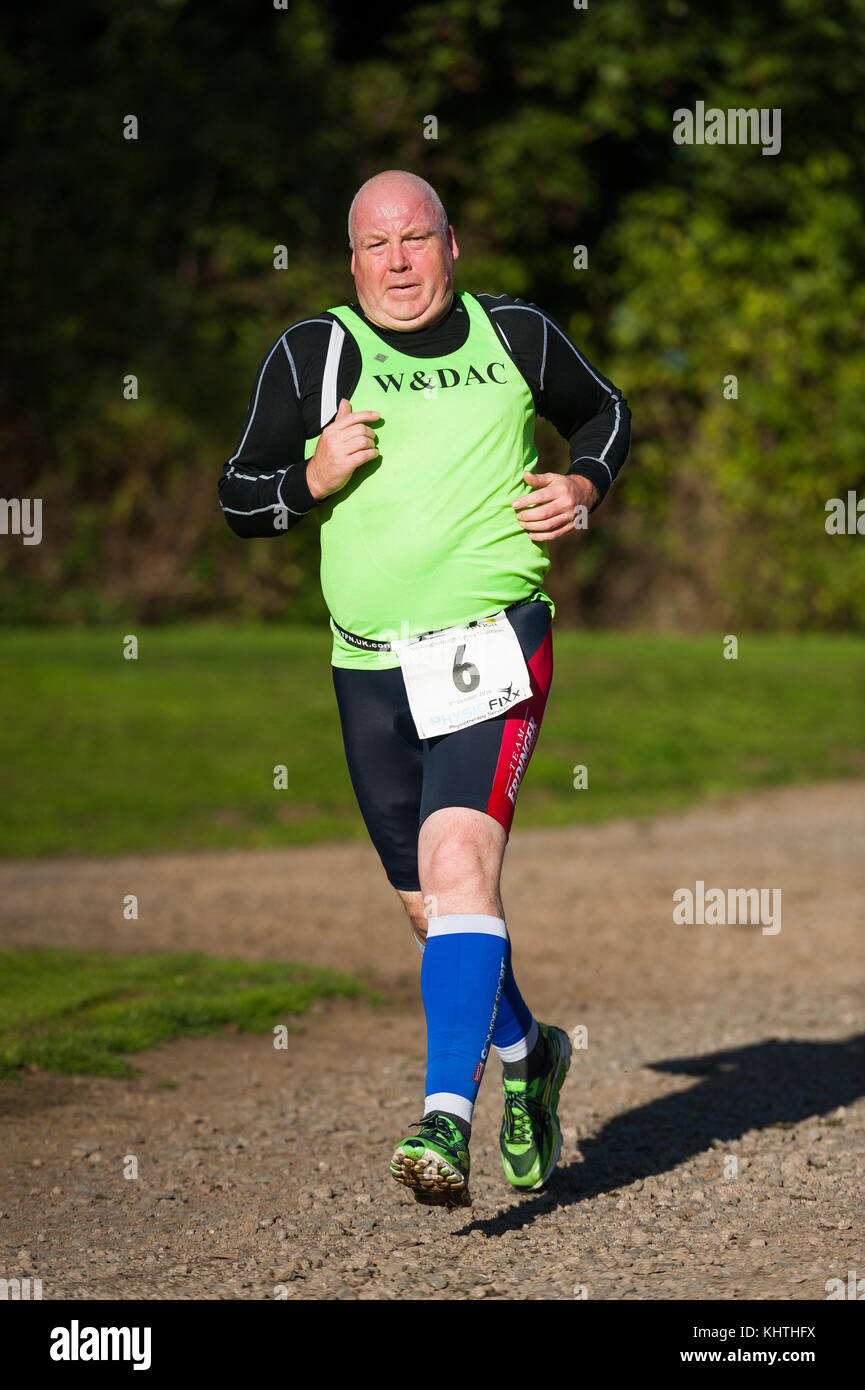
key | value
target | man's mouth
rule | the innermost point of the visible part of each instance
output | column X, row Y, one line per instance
column 412, row 286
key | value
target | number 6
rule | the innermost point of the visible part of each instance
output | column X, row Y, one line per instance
column 466, row 675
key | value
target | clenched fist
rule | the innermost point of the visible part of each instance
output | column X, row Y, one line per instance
column 346, row 443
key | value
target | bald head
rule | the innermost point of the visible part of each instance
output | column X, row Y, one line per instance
column 388, row 192
column 402, row 251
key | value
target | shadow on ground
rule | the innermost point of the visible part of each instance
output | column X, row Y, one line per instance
column 745, row 1088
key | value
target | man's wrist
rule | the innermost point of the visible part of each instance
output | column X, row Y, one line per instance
column 294, row 491
column 585, row 490
column 594, row 473
column 311, row 482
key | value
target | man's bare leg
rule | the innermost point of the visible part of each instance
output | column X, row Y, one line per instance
column 414, row 906
column 460, row 853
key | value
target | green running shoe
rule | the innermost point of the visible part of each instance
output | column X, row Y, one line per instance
column 434, row 1164
column 530, row 1138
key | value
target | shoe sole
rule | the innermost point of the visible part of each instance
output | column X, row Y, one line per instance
column 565, row 1057
column 434, row 1181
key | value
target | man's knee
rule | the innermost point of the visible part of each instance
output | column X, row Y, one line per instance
column 452, row 862
column 459, row 847
column 459, row 859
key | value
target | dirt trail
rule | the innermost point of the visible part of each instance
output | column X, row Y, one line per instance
column 713, row 1124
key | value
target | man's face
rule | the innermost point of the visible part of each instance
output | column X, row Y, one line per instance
column 403, row 266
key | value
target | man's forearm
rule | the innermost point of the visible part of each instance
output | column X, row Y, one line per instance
column 265, row 504
column 260, row 492
column 600, row 447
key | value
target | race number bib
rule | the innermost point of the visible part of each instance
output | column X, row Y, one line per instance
column 463, row 675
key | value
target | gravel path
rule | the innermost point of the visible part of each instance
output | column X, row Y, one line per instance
column 713, row 1123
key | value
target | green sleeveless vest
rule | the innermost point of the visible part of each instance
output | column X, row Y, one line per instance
column 424, row 536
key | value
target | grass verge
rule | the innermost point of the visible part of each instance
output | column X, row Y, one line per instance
column 178, row 750
column 80, row 1011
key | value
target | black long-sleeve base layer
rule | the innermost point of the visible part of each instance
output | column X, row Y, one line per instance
column 267, row 473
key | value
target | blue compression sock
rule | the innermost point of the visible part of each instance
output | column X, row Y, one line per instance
column 516, row 1031
column 462, row 976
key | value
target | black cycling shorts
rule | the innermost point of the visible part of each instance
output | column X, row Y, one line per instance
column 399, row 779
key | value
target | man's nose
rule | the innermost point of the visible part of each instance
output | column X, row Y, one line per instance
column 397, row 255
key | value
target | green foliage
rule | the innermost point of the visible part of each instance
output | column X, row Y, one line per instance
column 177, row 750
column 155, row 257
column 79, row 1011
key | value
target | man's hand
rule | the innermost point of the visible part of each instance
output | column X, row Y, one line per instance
column 346, row 443
column 550, row 508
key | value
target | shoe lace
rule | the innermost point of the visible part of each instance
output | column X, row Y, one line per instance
column 522, row 1116
column 435, row 1127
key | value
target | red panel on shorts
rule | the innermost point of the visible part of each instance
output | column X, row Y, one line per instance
column 521, row 728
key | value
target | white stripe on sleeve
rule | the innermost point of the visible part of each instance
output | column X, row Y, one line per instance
column 331, row 367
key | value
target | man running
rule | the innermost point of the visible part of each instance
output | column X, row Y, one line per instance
column 405, row 422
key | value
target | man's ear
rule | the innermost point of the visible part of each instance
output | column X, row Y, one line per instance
column 352, row 261
column 455, row 250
